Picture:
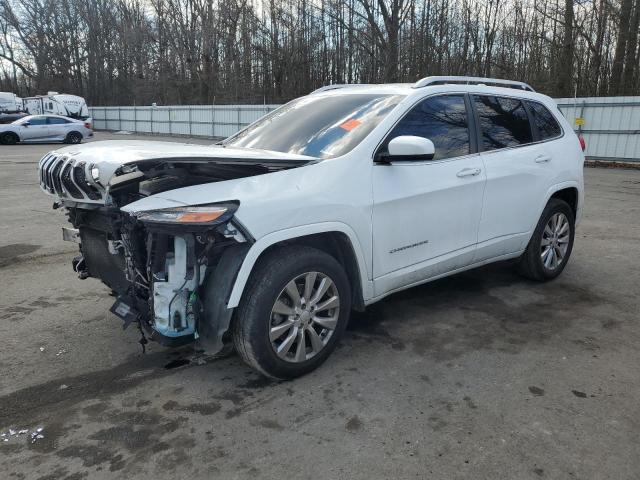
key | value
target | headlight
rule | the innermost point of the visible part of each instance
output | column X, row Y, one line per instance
column 95, row 173
column 199, row 215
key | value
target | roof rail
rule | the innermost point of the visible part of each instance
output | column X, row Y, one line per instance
column 427, row 81
column 339, row 85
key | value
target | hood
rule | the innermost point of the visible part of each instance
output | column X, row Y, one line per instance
column 110, row 155
column 93, row 172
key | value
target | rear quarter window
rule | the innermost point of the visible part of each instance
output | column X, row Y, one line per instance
column 544, row 121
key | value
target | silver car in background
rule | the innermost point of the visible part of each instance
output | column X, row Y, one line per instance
column 44, row 129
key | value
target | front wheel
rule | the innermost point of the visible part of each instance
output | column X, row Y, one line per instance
column 294, row 310
column 9, row 138
column 551, row 243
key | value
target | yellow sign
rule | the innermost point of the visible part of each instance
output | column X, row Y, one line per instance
column 579, row 121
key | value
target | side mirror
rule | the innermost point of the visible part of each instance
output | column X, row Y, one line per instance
column 26, row 124
column 410, row 147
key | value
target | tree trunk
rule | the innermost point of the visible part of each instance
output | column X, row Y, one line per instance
column 565, row 70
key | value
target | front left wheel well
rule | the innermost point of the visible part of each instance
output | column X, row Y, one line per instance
column 338, row 245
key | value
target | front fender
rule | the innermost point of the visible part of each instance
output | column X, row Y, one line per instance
column 289, row 234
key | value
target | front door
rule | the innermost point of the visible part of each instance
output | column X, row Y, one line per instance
column 36, row 130
column 426, row 212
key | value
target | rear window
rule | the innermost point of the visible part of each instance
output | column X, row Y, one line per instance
column 544, row 121
column 503, row 122
column 317, row 125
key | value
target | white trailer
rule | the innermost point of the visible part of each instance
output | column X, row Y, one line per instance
column 10, row 103
column 56, row 103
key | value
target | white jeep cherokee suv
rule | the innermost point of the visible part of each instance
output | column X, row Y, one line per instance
column 267, row 240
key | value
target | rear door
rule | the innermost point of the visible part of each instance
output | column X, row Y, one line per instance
column 59, row 127
column 37, row 130
column 426, row 212
column 519, row 170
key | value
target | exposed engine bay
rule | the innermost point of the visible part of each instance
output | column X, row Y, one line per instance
column 172, row 270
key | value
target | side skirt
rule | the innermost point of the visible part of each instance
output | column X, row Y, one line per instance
column 507, row 256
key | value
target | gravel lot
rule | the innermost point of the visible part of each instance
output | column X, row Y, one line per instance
column 483, row 375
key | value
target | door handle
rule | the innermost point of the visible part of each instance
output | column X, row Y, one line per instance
column 468, row 172
column 543, row 159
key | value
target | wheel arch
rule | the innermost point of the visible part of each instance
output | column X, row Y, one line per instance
column 336, row 239
column 14, row 133
column 569, row 191
column 569, row 195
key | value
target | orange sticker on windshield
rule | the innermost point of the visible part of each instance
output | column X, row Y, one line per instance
column 350, row 124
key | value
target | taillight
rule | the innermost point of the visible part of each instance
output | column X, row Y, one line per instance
column 88, row 125
column 583, row 144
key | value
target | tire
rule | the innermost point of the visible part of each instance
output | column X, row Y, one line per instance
column 9, row 138
column 255, row 318
column 534, row 263
column 73, row 138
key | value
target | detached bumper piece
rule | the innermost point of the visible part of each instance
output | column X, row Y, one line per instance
column 122, row 308
column 71, row 235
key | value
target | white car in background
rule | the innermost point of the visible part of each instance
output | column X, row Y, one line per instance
column 267, row 241
column 44, row 129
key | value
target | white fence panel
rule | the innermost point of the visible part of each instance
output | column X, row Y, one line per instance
column 611, row 125
column 193, row 120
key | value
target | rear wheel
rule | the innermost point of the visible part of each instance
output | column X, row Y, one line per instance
column 74, row 138
column 551, row 243
column 9, row 138
column 294, row 310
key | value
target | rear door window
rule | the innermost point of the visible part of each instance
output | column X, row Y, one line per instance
column 57, row 121
column 503, row 122
column 443, row 120
column 544, row 121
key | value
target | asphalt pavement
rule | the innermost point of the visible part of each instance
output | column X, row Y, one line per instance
column 483, row 375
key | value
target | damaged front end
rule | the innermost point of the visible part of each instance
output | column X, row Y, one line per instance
column 157, row 263
column 171, row 269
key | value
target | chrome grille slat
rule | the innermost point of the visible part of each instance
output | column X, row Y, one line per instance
column 50, row 168
column 45, row 172
column 43, row 161
column 55, row 174
column 80, row 178
column 67, row 182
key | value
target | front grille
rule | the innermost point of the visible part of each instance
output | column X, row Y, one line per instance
column 64, row 177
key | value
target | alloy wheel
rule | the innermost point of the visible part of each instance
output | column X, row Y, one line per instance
column 304, row 317
column 555, row 241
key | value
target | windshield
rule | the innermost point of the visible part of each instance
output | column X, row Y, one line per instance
column 317, row 126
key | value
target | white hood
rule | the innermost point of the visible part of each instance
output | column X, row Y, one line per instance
column 86, row 173
column 109, row 155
